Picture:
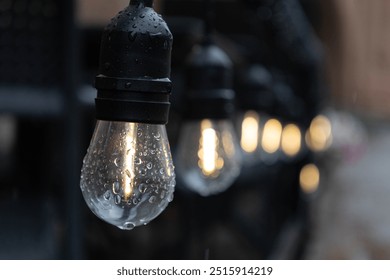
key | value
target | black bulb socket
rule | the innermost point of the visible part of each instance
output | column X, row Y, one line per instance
column 256, row 89
column 209, row 73
column 133, row 83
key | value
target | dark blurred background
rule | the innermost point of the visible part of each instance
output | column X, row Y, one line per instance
column 326, row 58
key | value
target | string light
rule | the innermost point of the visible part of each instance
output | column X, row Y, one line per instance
column 128, row 178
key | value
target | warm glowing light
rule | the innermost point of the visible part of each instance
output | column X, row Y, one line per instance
column 250, row 132
column 129, row 163
column 208, row 143
column 291, row 140
column 309, row 178
column 209, row 160
column 272, row 133
column 319, row 135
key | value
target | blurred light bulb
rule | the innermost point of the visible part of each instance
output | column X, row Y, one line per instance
column 291, row 140
column 272, row 133
column 128, row 176
column 250, row 132
column 208, row 159
column 309, row 178
column 319, row 135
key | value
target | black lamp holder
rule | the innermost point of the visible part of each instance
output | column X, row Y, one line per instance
column 133, row 83
column 209, row 76
column 256, row 89
column 209, row 83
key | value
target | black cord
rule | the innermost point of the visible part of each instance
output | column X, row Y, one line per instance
column 209, row 18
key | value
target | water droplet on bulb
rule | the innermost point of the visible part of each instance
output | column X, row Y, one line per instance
column 172, row 183
column 143, row 172
column 118, row 199
column 152, row 199
column 138, row 161
column 149, row 165
column 170, row 197
column 107, row 195
column 128, row 225
column 142, row 15
column 116, row 187
column 117, row 162
column 155, row 188
column 157, row 136
column 128, row 173
column 142, row 188
column 162, row 171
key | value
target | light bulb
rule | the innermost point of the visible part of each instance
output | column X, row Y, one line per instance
column 272, row 133
column 128, row 176
column 208, row 153
column 250, row 124
column 271, row 136
column 309, row 178
column 250, row 132
column 319, row 135
column 291, row 143
column 208, row 157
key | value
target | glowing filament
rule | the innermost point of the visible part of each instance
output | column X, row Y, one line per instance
column 309, row 178
column 129, row 161
column 250, row 132
column 319, row 135
column 272, row 133
column 291, row 140
column 209, row 160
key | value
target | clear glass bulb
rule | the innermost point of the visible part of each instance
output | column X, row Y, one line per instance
column 291, row 141
column 270, row 141
column 208, row 157
column 128, row 176
column 309, row 178
column 319, row 135
column 250, row 128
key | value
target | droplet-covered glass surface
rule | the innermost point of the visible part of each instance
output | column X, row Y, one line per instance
column 128, row 176
column 208, row 158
